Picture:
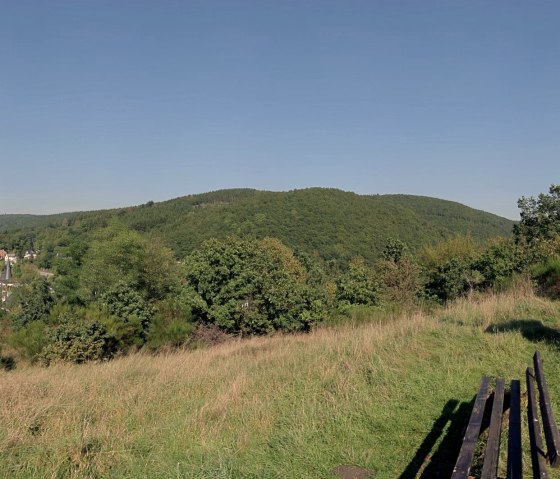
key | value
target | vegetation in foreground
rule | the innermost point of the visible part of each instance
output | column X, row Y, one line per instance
column 378, row 389
column 373, row 393
column 121, row 291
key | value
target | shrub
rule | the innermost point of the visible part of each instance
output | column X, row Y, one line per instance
column 399, row 281
column 171, row 325
column 30, row 340
column 547, row 277
column 172, row 333
column 452, row 279
column 499, row 261
column 76, row 340
column 357, row 285
column 128, row 316
column 462, row 247
column 204, row 335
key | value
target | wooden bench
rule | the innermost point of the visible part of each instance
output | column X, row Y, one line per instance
column 482, row 404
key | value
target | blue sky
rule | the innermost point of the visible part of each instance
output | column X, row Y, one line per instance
column 107, row 103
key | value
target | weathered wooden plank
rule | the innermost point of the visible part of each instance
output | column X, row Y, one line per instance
column 537, row 450
column 514, row 460
column 490, row 465
column 464, row 461
column 549, row 423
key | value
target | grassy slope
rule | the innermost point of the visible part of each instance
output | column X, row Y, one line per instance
column 280, row 407
column 335, row 223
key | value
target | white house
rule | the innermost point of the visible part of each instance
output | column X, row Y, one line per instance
column 30, row 254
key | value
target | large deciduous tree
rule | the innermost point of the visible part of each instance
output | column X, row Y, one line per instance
column 540, row 217
column 35, row 302
column 250, row 287
column 118, row 255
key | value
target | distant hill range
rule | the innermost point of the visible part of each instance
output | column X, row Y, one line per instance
column 332, row 223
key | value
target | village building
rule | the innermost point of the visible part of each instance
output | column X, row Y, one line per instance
column 7, row 284
column 30, row 255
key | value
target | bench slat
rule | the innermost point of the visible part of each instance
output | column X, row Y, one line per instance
column 514, row 461
column 490, row 465
column 537, row 449
column 549, row 423
column 463, row 464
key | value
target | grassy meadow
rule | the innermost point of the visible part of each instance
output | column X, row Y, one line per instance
column 386, row 393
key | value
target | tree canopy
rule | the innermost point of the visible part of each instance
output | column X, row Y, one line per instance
column 247, row 286
column 119, row 255
column 117, row 287
column 540, row 216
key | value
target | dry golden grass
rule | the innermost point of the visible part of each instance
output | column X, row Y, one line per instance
column 282, row 406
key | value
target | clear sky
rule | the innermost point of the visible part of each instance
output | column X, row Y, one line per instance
column 107, row 103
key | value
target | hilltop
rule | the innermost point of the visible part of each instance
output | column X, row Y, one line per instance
column 331, row 223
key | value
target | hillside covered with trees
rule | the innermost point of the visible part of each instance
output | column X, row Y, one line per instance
column 376, row 333
column 108, row 283
column 330, row 223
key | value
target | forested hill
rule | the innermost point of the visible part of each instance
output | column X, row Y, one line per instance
column 333, row 223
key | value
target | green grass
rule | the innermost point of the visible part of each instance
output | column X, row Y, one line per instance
column 368, row 394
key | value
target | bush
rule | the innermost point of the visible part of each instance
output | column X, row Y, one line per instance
column 168, row 332
column 171, row 325
column 452, row 279
column 357, row 285
column 76, row 340
column 547, row 277
column 399, row 281
column 499, row 261
column 462, row 247
column 395, row 250
column 204, row 335
column 30, row 340
column 128, row 316
column 172, row 334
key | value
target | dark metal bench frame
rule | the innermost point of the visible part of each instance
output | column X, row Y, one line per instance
column 539, row 457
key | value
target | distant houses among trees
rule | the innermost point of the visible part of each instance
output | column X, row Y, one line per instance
column 28, row 255
column 7, row 282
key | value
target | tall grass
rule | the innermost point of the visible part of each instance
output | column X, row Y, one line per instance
column 291, row 406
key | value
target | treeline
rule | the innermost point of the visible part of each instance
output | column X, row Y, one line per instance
column 115, row 290
column 332, row 224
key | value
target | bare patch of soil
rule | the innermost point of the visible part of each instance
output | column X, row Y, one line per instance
column 352, row 472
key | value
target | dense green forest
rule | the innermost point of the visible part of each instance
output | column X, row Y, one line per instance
column 330, row 223
column 245, row 262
